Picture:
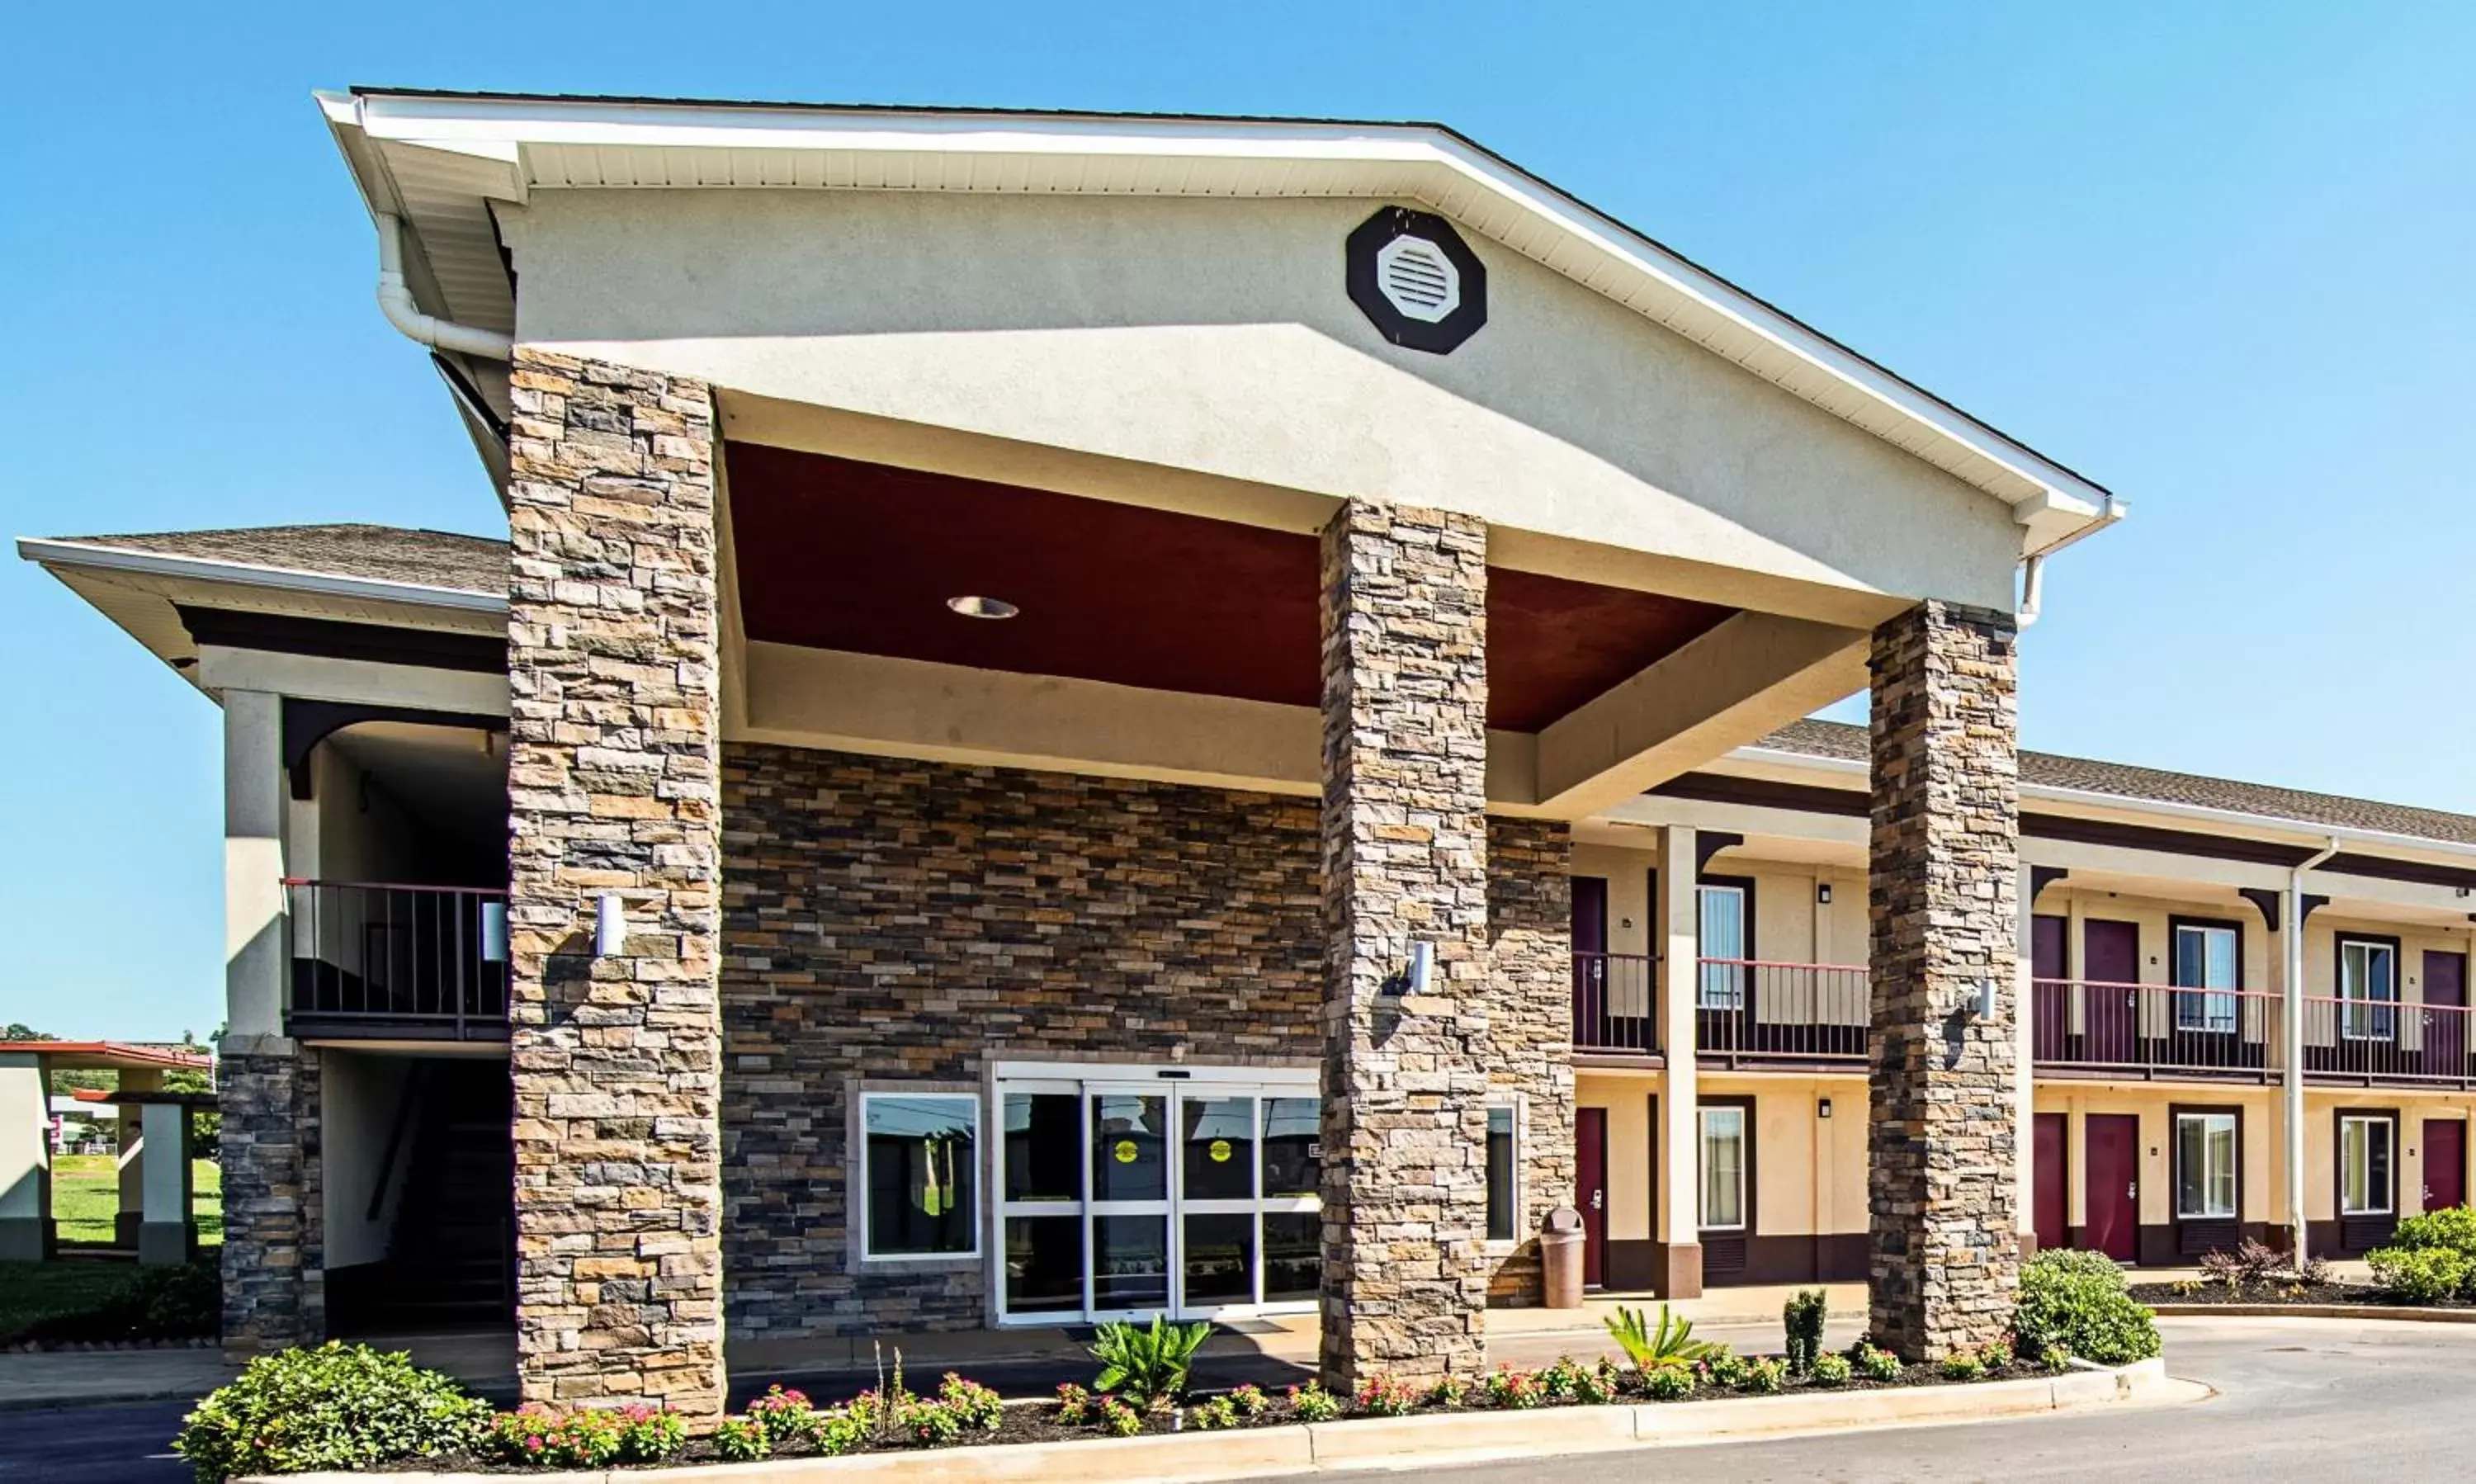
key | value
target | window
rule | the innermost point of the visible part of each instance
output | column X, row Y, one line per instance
column 2364, row 1163
column 1502, row 1161
column 1724, row 1169
column 1723, row 946
column 2367, row 989
column 2206, row 958
column 920, row 1175
column 2205, row 1166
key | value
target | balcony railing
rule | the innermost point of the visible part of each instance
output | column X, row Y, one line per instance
column 1751, row 1012
column 373, row 958
column 2369, row 1042
column 2156, row 1029
column 1615, row 1003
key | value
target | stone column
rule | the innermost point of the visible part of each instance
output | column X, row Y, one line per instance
column 1946, row 844
column 1528, row 1043
column 1677, row 925
column 25, row 1158
column 1404, row 857
column 270, row 1264
column 613, row 776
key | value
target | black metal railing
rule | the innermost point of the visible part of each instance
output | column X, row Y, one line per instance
column 1615, row 1003
column 378, row 959
column 1749, row 1011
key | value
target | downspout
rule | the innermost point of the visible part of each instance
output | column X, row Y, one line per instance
column 395, row 301
column 2032, row 568
column 2292, row 1078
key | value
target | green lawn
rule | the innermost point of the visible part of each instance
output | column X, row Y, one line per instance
column 30, row 1291
column 86, row 1196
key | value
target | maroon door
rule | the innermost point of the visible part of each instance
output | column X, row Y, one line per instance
column 2049, row 1005
column 1590, row 961
column 2445, row 1163
column 2445, row 1014
column 2114, row 1185
column 1591, row 1187
column 2050, row 1178
column 2110, row 1010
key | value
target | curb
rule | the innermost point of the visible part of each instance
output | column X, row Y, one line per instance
column 1197, row 1457
column 2313, row 1311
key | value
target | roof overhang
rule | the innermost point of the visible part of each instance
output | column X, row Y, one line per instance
column 440, row 161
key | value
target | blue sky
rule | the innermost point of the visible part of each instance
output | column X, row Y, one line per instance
column 2217, row 257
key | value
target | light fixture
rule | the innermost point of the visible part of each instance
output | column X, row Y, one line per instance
column 494, row 932
column 1422, row 967
column 609, row 925
column 1822, row 1108
column 1983, row 1001
column 1822, row 893
column 976, row 605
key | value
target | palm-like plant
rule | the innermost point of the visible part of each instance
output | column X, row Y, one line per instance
column 1148, row 1367
column 1649, row 1347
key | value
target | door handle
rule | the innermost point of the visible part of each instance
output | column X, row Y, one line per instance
column 1597, row 1197
column 2132, row 1192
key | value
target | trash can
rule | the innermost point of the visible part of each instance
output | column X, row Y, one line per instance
column 1560, row 1259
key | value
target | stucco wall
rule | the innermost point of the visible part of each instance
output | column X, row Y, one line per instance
column 1194, row 334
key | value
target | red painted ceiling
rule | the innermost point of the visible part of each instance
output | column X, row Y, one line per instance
column 834, row 554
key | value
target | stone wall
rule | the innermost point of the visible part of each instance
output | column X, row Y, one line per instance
column 1528, row 1044
column 612, row 782
column 1405, row 854
column 898, row 921
column 1944, row 1135
column 273, row 1277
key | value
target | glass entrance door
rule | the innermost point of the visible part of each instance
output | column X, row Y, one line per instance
column 1194, row 1198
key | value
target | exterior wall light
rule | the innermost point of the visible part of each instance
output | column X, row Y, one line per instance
column 609, row 925
column 1822, row 893
column 976, row 605
column 1422, row 969
column 1822, row 1108
column 494, row 932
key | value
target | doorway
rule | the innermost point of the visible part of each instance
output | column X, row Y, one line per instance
column 1590, row 1189
column 2445, row 1163
column 2050, row 1180
column 2111, row 1004
column 2112, row 1188
column 1130, row 1191
column 2445, row 1014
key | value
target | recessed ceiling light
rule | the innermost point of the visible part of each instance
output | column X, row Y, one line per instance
column 973, row 605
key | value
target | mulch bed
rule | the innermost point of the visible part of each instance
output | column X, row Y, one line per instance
column 1033, row 1421
column 2362, row 1295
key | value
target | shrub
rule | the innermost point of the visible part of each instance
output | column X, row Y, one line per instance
column 1312, row 1404
column 540, row 1436
column 2315, row 1270
column 837, row 1432
column 2078, row 1301
column 2252, row 1264
column 1725, row 1371
column 1764, row 1376
column 1875, row 1363
column 1450, row 1393
column 740, row 1440
column 1214, row 1416
column 974, row 1406
column 2426, row 1274
column 1119, row 1420
column 1804, row 1316
column 932, row 1423
column 1514, row 1389
column 1150, row 1366
column 1670, row 1342
column 1831, row 1369
column 1997, row 1354
column 2454, row 1229
column 1963, row 1366
column 335, row 1407
column 782, row 1414
column 1381, row 1396
column 1668, row 1383
column 1073, row 1405
column 1251, row 1401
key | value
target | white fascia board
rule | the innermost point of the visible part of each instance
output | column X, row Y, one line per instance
column 500, row 128
column 115, row 558
column 2302, row 832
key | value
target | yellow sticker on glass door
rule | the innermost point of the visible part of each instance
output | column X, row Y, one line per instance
column 1125, row 1152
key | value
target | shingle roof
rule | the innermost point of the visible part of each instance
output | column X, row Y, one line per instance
column 2154, row 785
column 387, row 554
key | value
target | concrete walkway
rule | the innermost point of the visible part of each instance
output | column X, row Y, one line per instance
column 486, row 1361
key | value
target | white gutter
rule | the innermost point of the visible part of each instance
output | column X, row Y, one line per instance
column 2291, row 1080
column 324, row 584
column 395, row 300
column 2032, row 568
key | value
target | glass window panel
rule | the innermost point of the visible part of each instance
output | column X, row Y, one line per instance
column 1723, row 911
column 1043, row 1130
column 2368, row 981
column 1129, row 1160
column 1723, row 1167
column 1219, row 1140
column 920, row 1173
column 1220, row 1258
column 1292, row 1147
column 1293, row 1256
column 2365, row 1166
column 1044, row 1264
column 1129, row 1261
column 1501, row 1163
column 2205, row 1165
column 2204, row 958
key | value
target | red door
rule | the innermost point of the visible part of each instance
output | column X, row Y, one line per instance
column 2049, row 1176
column 2110, row 1008
column 1590, row 960
column 2445, row 1014
column 2049, row 1005
column 2445, row 1163
column 1591, row 1188
column 2114, row 1185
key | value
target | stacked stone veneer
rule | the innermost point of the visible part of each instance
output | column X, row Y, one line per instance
column 613, row 777
column 1527, row 1041
column 1404, row 854
column 1943, row 1140
column 273, row 1253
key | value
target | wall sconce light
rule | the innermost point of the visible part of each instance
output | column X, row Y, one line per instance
column 609, row 925
column 494, row 932
column 1982, row 1003
column 1822, row 893
column 1822, row 1108
column 1422, row 967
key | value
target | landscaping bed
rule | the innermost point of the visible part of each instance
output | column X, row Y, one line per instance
column 2196, row 1293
